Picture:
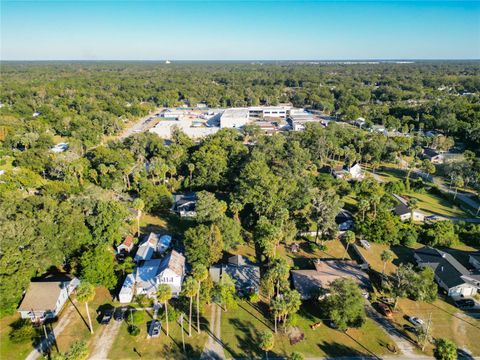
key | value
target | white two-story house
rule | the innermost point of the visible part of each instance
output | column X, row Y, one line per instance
column 169, row 270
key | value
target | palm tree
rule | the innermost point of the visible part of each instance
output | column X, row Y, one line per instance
column 86, row 293
column 190, row 288
column 413, row 205
column 164, row 293
column 278, row 307
column 349, row 239
column 267, row 342
column 191, row 168
column 386, row 256
column 200, row 273
column 138, row 205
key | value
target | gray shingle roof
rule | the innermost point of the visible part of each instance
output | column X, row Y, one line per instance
column 446, row 267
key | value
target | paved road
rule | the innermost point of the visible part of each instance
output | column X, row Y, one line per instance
column 214, row 347
column 65, row 319
column 141, row 125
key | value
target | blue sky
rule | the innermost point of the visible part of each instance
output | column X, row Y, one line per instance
column 239, row 30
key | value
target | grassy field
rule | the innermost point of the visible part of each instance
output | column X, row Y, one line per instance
column 432, row 204
column 9, row 350
column 77, row 329
column 126, row 346
column 242, row 327
column 447, row 321
column 304, row 257
column 402, row 254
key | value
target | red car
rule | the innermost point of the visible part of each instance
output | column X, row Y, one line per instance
column 385, row 310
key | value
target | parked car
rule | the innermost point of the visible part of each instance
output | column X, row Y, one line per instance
column 416, row 321
column 106, row 317
column 156, row 328
column 384, row 310
column 387, row 300
column 465, row 303
column 365, row 244
column 119, row 313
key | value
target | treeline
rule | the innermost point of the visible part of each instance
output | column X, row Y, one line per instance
column 87, row 100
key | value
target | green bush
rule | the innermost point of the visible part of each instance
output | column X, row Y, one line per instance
column 22, row 331
column 254, row 298
column 133, row 330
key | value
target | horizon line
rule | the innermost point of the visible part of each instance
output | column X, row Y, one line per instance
column 244, row 60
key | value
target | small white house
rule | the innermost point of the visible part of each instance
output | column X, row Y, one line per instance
column 126, row 292
column 147, row 248
column 126, row 246
column 353, row 172
column 45, row 299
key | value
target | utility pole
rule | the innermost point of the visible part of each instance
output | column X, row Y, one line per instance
column 183, row 334
column 46, row 339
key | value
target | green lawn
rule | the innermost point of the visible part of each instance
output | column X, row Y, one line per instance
column 77, row 329
column 303, row 259
column 436, row 205
column 242, row 327
column 9, row 350
column 162, row 347
column 447, row 322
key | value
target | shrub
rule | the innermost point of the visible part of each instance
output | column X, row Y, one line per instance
column 22, row 331
column 133, row 330
column 445, row 349
column 254, row 298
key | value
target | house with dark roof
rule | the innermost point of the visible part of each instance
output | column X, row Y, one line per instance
column 45, row 299
column 185, row 204
column 245, row 274
column 403, row 211
column 450, row 275
column 313, row 283
column 434, row 156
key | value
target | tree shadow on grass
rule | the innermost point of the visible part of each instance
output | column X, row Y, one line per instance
column 78, row 312
column 335, row 349
column 248, row 339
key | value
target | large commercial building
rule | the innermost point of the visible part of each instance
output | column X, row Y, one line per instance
column 239, row 117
